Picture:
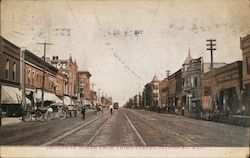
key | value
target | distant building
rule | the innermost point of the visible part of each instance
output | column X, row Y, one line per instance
column 69, row 68
column 147, row 96
column 164, row 92
column 83, row 80
column 93, row 96
column 174, row 91
column 152, row 94
column 191, row 70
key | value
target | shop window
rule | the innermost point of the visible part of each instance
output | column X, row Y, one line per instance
column 7, row 69
column 14, row 71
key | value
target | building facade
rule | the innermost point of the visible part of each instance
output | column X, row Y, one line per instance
column 70, row 69
column 83, row 84
column 152, row 94
column 10, row 94
column 245, row 47
column 191, row 74
column 221, row 91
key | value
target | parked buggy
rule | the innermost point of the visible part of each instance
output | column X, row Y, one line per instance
column 71, row 111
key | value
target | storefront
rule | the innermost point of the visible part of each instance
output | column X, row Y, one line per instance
column 11, row 98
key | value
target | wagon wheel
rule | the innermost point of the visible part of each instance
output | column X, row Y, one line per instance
column 48, row 115
column 39, row 115
column 62, row 114
column 27, row 117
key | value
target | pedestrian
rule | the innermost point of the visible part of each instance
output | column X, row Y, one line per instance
column 111, row 109
column 182, row 110
column 83, row 112
column 101, row 109
column 97, row 109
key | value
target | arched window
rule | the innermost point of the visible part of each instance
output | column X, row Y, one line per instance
column 33, row 77
column 29, row 74
column 7, row 69
column 14, row 71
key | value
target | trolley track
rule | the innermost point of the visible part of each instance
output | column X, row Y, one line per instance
column 123, row 137
column 79, row 126
column 172, row 138
column 204, row 133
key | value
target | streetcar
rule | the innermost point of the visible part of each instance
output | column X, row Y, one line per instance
column 116, row 105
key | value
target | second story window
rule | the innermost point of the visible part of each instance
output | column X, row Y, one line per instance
column 33, row 77
column 14, row 71
column 29, row 74
column 7, row 69
column 196, row 81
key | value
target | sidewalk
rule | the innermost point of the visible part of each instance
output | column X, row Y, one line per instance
column 11, row 120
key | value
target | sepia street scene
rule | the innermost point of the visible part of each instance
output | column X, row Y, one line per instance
column 140, row 73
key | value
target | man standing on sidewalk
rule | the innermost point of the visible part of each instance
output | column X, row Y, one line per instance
column 83, row 112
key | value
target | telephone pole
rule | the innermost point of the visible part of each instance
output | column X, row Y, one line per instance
column 211, row 46
column 44, row 59
column 167, row 73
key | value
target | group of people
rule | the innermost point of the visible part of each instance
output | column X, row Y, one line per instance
column 98, row 110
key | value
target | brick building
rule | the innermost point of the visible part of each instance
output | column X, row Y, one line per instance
column 245, row 47
column 222, row 91
column 152, row 94
column 83, row 78
column 191, row 74
column 69, row 68
column 10, row 94
column 147, row 96
column 164, row 92
column 53, row 80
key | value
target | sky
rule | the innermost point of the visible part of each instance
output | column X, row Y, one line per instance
column 125, row 43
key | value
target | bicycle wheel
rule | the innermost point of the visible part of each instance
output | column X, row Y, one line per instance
column 48, row 115
column 39, row 115
column 62, row 114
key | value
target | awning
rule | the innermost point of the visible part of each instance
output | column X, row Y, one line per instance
column 68, row 101
column 12, row 95
column 47, row 97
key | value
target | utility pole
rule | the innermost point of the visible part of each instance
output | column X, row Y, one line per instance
column 167, row 73
column 44, row 59
column 211, row 46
